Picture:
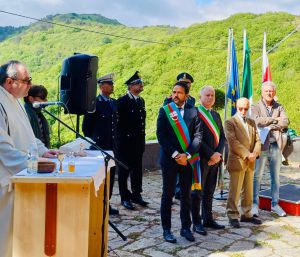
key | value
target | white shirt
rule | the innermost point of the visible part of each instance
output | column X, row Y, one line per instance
column 244, row 123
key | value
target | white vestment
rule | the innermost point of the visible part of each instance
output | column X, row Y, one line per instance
column 15, row 137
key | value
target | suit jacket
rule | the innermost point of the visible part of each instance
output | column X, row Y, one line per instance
column 240, row 145
column 262, row 119
column 100, row 126
column 42, row 133
column 131, row 124
column 168, row 140
column 190, row 100
column 207, row 147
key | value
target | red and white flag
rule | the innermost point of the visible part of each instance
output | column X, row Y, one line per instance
column 266, row 72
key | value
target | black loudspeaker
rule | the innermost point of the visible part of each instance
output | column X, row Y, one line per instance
column 78, row 83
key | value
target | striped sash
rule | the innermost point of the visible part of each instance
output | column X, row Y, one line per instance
column 182, row 133
column 206, row 116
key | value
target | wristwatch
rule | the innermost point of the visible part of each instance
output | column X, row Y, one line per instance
column 188, row 156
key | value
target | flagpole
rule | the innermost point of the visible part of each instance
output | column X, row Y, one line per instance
column 221, row 166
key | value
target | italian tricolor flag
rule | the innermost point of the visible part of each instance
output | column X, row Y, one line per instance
column 266, row 72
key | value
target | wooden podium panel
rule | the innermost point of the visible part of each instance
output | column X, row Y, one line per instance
column 79, row 218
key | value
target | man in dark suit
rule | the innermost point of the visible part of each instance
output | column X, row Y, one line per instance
column 188, row 79
column 131, row 142
column 174, row 159
column 100, row 126
column 210, row 152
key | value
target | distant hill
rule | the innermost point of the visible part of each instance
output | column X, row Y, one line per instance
column 82, row 19
column 8, row 31
column 200, row 49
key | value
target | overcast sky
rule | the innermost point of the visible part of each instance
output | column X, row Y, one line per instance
column 180, row 13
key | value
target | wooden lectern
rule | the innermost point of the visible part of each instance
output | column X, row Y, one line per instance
column 59, row 216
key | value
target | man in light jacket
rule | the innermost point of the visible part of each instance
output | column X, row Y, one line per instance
column 269, row 114
column 15, row 137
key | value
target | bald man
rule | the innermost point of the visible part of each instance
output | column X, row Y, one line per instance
column 243, row 148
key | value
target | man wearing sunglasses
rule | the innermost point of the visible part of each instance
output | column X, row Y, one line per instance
column 100, row 125
column 39, row 124
column 243, row 149
column 131, row 142
column 15, row 137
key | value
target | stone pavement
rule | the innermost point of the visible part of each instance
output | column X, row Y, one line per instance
column 275, row 237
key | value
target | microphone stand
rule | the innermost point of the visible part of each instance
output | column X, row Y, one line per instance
column 106, row 160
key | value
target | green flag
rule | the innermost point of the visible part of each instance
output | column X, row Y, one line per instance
column 247, row 77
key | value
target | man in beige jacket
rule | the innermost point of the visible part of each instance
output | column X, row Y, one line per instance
column 243, row 149
column 270, row 116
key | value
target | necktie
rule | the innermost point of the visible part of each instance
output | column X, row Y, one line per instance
column 244, row 119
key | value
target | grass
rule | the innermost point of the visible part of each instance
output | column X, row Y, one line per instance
column 140, row 218
column 134, row 235
column 275, row 235
column 260, row 243
column 291, row 229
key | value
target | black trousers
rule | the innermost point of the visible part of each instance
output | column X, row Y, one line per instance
column 134, row 163
column 169, row 174
column 209, row 176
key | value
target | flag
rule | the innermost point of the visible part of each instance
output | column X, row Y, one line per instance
column 247, row 77
column 266, row 72
column 233, row 91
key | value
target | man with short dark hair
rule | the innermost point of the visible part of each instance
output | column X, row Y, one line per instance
column 100, row 125
column 39, row 124
column 131, row 142
column 15, row 137
column 179, row 135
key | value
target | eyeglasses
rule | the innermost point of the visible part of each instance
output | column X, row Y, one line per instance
column 242, row 108
column 26, row 81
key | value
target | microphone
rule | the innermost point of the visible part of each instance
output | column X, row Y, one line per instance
column 44, row 104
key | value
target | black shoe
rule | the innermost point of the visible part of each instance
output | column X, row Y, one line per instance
column 199, row 229
column 113, row 211
column 139, row 200
column 187, row 234
column 252, row 219
column 234, row 223
column 128, row 205
column 213, row 224
column 168, row 236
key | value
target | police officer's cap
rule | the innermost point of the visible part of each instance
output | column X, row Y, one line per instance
column 135, row 79
column 185, row 77
column 106, row 78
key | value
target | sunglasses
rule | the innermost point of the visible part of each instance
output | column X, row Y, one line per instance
column 242, row 108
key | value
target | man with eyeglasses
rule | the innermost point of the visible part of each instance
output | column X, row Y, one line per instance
column 269, row 114
column 15, row 137
column 39, row 124
column 131, row 142
column 100, row 125
column 243, row 149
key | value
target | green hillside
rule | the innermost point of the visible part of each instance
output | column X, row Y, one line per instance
column 200, row 49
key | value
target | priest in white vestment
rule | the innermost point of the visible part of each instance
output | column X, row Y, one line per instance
column 15, row 137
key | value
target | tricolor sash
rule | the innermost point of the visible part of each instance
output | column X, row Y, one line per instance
column 182, row 133
column 206, row 116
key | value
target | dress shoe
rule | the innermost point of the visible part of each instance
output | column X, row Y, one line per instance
column 213, row 224
column 128, row 205
column 252, row 219
column 199, row 229
column 113, row 211
column 139, row 200
column 187, row 234
column 168, row 236
column 234, row 223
